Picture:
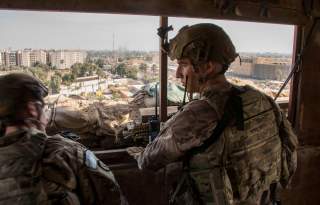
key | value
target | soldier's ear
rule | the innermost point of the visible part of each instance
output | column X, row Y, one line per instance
column 214, row 67
column 32, row 110
column 210, row 68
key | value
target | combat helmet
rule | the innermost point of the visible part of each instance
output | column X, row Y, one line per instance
column 201, row 43
column 16, row 89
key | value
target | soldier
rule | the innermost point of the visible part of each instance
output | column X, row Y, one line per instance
column 235, row 145
column 40, row 169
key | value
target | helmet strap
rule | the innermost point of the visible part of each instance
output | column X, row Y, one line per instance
column 185, row 92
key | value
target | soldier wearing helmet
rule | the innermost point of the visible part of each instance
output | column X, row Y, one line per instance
column 40, row 169
column 228, row 140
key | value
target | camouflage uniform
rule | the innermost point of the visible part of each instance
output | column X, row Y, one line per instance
column 40, row 169
column 240, row 166
column 67, row 173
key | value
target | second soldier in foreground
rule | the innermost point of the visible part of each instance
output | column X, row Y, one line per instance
column 235, row 144
column 39, row 169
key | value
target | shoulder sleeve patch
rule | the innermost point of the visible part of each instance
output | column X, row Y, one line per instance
column 90, row 159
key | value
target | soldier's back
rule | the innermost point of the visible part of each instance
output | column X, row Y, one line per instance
column 40, row 169
column 20, row 172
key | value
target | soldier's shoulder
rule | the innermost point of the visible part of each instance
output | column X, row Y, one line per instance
column 57, row 143
column 197, row 105
column 253, row 93
column 63, row 140
column 252, row 90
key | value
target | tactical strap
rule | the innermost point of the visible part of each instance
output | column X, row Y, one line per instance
column 233, row 110
column 176, row 191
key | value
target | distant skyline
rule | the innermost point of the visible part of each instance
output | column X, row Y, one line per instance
column 89, row 31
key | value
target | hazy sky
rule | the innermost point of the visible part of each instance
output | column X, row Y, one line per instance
column 30, row 29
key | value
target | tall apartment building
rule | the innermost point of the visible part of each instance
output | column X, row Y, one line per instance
column 11, row 58
column 39, row 56
column 25, row 58
column 63, row 59
column 5, row 58
column 29, row 57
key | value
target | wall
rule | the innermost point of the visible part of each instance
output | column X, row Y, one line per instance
column 305, row 115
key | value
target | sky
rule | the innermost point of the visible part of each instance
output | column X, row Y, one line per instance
column 89, row 31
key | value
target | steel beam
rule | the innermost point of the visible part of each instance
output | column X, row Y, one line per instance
column 163, row 73
column 280, row 11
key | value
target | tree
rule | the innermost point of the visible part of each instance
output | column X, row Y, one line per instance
column 143, row 67
column 67, row 79
column 100, row 63
column 100, row 73
column 121, row 69
column 132, row 73
column 39, row 73
column 86, row 69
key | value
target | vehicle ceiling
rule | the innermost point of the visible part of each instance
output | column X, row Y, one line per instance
column 274, row 11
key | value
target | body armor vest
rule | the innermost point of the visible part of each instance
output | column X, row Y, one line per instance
column 250, row 159
column 20, row 169
column 21, row 172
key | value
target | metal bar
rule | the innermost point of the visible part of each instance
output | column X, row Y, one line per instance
column 294, row 87
column 285, row 11
column 163, row 73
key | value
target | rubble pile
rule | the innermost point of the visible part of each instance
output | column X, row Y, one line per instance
column 96, row 122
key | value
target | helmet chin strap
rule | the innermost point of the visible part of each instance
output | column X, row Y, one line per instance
column 185, row 92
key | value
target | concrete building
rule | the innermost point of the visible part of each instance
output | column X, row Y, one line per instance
column 38, row 56
column 243, row 69
column 272, row 68
column 63, row 59
column 11, row 58
column 90, row 84
column 5, row 58
column 25, row 57
column 270, row 71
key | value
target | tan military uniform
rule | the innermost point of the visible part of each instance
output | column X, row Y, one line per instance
column 240, row 166
column 37, row 169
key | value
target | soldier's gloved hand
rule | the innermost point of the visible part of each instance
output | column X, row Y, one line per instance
column 135, row 151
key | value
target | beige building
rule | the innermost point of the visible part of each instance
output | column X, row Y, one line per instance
column 63, row 59
column 39, row 56
column 10, row 58
column 29, row 57
column 25, row 57
column 273, row 68
column 273, row 61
